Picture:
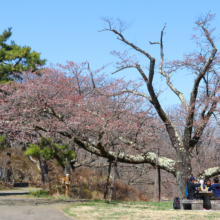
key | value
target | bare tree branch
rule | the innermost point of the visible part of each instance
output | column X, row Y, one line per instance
column 173, row 133
column 191, row 112
column 178, row 93
column 91, row 74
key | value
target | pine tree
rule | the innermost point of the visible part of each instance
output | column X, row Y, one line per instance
column 49, row 150
column 15, row 59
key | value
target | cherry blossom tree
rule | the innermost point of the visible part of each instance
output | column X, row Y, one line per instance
column 85, row 106
column 113, row 118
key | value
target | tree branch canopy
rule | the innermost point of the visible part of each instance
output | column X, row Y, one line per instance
column 194, row 93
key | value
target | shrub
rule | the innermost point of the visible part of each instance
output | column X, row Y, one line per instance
column 85, row 193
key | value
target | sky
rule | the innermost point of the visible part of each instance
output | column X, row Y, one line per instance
column 68, row 30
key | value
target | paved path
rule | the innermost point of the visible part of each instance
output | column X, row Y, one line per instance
column 49, row 212
column 18, row 191
column 21, row 208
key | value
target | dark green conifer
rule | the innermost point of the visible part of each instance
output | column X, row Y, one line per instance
column 49, row 150
column 15, row 59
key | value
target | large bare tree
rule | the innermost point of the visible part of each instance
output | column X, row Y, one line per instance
column 204, row 96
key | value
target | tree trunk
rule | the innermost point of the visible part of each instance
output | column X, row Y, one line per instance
column 68, row 168
column 109, row 172
column 159, row 179
column 159, row 183
column 183, row 171
column 113, row 181
column 44, row 170
column 5, row 174
column 155, row 187
column 37, row 162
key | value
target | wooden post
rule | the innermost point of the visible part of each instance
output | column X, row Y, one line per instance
column 67, row 186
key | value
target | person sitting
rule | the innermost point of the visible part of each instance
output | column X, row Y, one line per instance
column 192, row 188
column 207, row 184
column 215, row 188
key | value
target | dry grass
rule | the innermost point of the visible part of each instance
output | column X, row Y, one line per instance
column 134, row 211
column 87, row 183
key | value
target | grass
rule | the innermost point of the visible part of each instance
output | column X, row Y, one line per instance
column 44, row 196
column 100, row 210
column 39, row 193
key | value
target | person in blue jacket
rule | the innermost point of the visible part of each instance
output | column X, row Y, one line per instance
column 215, row 187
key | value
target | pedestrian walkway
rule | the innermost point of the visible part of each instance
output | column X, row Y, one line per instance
column 19, row 191
column 15, row 207
column 50, row 212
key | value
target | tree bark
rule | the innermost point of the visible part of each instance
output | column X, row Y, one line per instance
column 44, row 170
column 37, row 162
column 148, row 157
column 159, row 178
column 205, row 174
column 183, row 171
column 68, row 168
column 5, row 174
column 109, row 172
column 159, row 183
column 113, row 181
column 155, row 188
column 156, row 180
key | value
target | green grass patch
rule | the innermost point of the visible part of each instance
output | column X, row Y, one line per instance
column 139, row 205
column 67, row 211
column 100, row 209
column 39, row 193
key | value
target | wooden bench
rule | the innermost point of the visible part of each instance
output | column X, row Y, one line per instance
column 191, row 204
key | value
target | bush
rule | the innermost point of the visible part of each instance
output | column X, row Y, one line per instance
column 124, row 192
column 85, row 194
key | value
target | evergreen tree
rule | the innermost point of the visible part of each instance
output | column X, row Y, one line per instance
column 15, row 59
column 49, row 150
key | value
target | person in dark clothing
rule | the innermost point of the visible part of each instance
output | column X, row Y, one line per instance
column 215, row 187
column 192, row 188
column 207, row 184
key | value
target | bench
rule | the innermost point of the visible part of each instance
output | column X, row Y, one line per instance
column 21, row 185
column 215, row 204
column 191, row 204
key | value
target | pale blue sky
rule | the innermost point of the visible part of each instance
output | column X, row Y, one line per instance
column 68, row 30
